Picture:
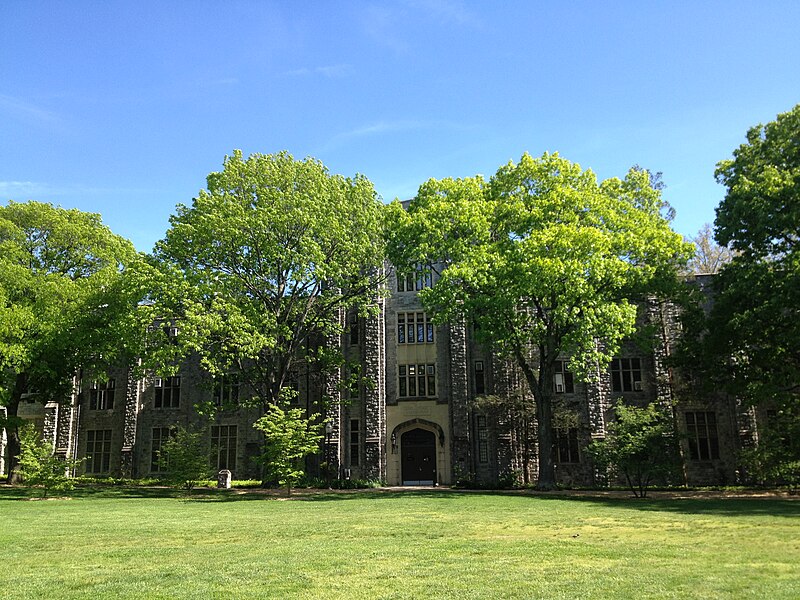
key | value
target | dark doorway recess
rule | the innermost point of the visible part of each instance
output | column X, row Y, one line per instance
column 419, row 457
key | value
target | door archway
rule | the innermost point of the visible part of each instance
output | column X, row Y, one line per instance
column 418, row 457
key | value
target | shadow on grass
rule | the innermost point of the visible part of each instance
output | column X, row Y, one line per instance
column 719, row 504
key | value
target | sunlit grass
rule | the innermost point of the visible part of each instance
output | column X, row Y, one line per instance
column 148, row 544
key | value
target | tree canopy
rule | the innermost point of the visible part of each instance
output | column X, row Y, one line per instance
column 756, row 314
column 262, row 263
column 544, row 260
column 65, row 302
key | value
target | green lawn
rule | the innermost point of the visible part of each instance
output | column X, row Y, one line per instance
column 142, row 543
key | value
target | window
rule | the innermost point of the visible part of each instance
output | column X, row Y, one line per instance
column 352, row 328
column 483, row 439
column 480, row 379
column 566, row 444
column 168, row 392
column 226, row 389
column 223, row 447
column 626, row 375
column 416, row 381
column 352, row 382
column 701, row 431
column 414, row 281
column 414, row 328
column 101, row 395
column 160, row 437
column 291, row 389
column 355, row 442
column 563, row 382
column 98, row 451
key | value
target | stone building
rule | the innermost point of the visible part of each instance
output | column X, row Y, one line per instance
column 413, row 419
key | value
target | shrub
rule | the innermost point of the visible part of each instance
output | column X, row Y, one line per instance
column 38, row 464
column 641, row 445
column 185, row 458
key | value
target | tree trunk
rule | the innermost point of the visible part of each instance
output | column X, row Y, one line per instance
column 542, row 390
column 12, row 428
column 544, row 418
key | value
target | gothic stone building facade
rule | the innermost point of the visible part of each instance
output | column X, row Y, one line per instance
column 413, row 421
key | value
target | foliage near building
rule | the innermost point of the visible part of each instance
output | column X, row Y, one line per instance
column 184, row 457
column 746, row 341
column 545, row 260
column 289, row 438
column 66, row 303
column 39, row 466
column 262, row 264
column 640, row 446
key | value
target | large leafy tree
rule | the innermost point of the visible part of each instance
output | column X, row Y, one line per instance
column 544, row 260
column 755, row 321
column 262, row 264
column 65, row 303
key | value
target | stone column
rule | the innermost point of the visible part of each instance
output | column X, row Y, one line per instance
column 129, row 428
column 460, row 444
column 333, row 414
column 375, row 394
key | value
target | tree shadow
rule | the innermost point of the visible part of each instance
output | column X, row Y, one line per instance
column 718, row 504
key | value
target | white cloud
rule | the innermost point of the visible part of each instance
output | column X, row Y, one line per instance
column 446, row 12
column 329, row 71
column 26, row 110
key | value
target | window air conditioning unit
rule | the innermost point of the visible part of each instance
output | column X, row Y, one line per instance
column 637, row 386
column 159, row 382
column 559, row 383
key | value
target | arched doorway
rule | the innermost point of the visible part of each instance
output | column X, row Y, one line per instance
column 418, row 451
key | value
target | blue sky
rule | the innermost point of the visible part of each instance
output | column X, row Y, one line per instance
column 123, row 108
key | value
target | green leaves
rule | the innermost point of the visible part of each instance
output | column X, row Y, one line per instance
column 641, row 446
column 543, row 259
column 264, row 258
column 756, row 314
column 289, row 437
column 62, row 291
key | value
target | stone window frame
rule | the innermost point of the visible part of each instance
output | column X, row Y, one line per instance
column 411, row 378
column 701, row 435
column 415, row 327
column 563, row 379
column 483, row 438
column 479, row 377
column 355, row 442
column 415, row 280
column 167, row 392
column 164, row 434
column 224, row 446
column 98, row 451
column 225, row 389
column 626, row 374
column 566, row 446
column 352, row 328
column 101, row 395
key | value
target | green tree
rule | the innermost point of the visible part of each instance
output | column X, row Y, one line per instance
column 775, row 457
column 185, row 457
column 750, row 339
column 65, row 303
column 290, row 437
column 257, row 271
column 641, row 445
column 544, row 260
column 38, row 464
column 756, row 314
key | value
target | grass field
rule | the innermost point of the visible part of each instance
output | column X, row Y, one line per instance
column 145, row 543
